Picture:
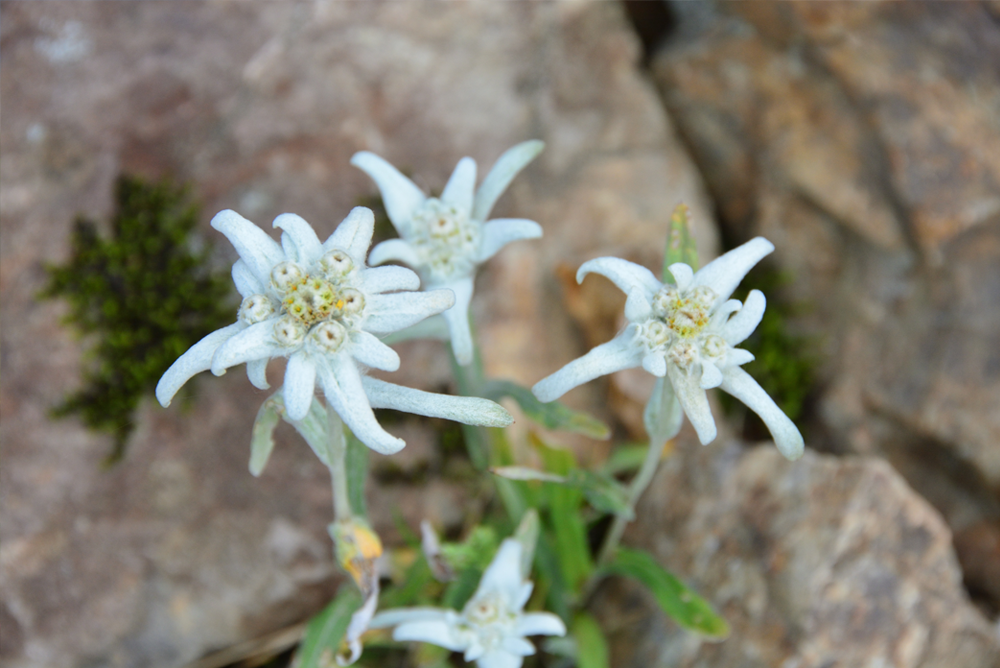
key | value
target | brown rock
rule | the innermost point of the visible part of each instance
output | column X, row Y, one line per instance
column 925, row 77
column 820, row 562
column 856, row 136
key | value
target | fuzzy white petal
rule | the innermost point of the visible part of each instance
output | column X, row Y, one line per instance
column 341, row 383
column 503, row 172
column 694, row 401
column 246, row 283
column 253, row 343
column 502, row 231
column 198, row 358
column 682, row 275
column 434, row 327
column 725, row 272
column 457, row 318
column 255, row 247
column 619, row 353
column 367, row 349
column 628, row 276
column 392, row 312
column 257, row 373
column 738, row 356
column 637, row 306
column 461, row 186
column 499, row 659
column 738, row 383
column 436, row 632
column 396, row 616
column 468, row 410
column 741, row 325
column 710, row 375
column 722, row 312
column 300, row 385
column 503, row 575
column 517, row 646
column 394, row 250
column 298, row 239
column 353, row 234
column 663, row 414
column 655, row 363
column 388, row 279
column 540, row 624
column 401, row 196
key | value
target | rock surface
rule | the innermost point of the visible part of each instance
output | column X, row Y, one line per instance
column 862, row 139
column 179, row 550
column 820, row 562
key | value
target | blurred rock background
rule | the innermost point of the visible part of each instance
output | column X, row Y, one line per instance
column 863, row 139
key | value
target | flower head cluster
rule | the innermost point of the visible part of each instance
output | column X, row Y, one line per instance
column 318, row 305
column 685, row 334
column 445, row 239
column 491, row 629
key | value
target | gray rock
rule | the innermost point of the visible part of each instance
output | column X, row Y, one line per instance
column 858, row 138
column 820, row 562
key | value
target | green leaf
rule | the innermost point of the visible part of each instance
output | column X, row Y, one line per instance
column 571, row 546
column 591, row 645
column 603, row 492
column 262, row 436
column 525, row 473
column 326, row 630
column 681, row 246
column 527, row 535
column 663, row 415
column 625, row 458
column 683, row 605
column 357, row 472
column 314, row 428
column 552, row 415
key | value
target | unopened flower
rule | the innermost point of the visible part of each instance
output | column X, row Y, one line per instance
column 685, row 334
column 446, row 238
column 492, row 627
column 318, row 305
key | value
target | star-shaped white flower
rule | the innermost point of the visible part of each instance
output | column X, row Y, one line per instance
column 445, row 239
column 317, row 304
column 491, row 629
column 685, row 335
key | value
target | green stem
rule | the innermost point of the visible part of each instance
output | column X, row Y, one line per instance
column 338, row 465
column 635, row 490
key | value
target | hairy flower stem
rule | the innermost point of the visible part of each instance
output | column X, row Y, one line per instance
column 635, row 490
column 470, row 380
column 338, row 465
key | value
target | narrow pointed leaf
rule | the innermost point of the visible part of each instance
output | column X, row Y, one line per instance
column 262, row 436
column 325, row 632
column 552, row 415
column 525, row 473
column 683, row 605
column 527, row 535
column 681, row 246
column 591, row 645
column 603, row 492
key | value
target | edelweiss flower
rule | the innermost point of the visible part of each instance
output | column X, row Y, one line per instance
column 319, row 305
column 685, row 334
column 446, row 238
column 491, row 629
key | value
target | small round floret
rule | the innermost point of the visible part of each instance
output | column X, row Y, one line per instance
column 286, row 274
column 256, row 308
column 336, row 264
column 328, row 336
column 289, row 332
